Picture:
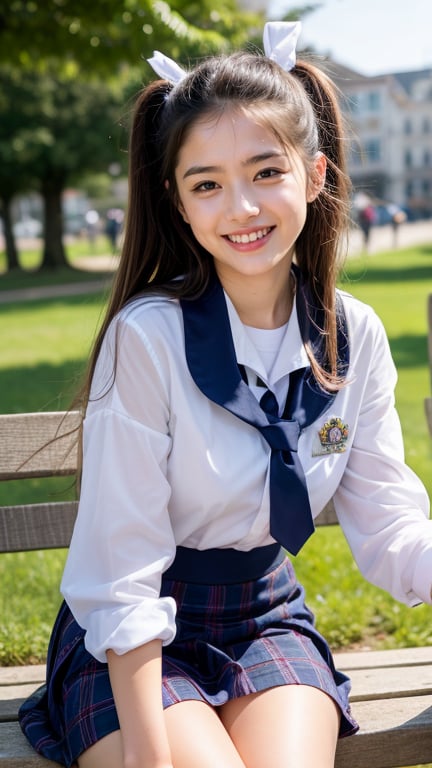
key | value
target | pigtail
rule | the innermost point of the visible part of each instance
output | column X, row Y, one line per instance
column 319, row 247
column 142, row 258
column 158, row 245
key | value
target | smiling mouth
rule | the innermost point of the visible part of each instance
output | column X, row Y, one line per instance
column 251, row 237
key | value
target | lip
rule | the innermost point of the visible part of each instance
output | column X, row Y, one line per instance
column 262, row 235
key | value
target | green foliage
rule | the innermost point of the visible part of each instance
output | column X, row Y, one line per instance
column 54, row 125
column 42, row 353
column 397, row 284
column 67, row 68
column 26, row 623
column 103, row 36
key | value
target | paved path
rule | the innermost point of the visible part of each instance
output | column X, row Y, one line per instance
column 381, row 239
column 92, row 264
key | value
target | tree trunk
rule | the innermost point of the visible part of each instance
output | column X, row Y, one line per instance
column 10, row 245
column 54, row 255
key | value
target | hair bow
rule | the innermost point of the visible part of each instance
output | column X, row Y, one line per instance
column 280, row 39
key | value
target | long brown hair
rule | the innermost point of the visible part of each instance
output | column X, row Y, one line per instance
column 301, row 107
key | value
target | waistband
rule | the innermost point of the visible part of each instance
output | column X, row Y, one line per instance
column 223, row 566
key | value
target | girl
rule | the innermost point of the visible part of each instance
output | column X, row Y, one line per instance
column 233, row 392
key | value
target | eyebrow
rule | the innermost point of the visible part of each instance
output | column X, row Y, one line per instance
column 195, row 170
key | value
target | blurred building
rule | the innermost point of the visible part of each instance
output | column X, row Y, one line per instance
column 391, row 144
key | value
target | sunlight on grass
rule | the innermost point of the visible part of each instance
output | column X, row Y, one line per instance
column 43, row 350
column 31, row 259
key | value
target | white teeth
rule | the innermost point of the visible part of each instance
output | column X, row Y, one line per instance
column 251, row 237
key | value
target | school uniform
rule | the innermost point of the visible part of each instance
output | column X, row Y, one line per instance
column 177, row 536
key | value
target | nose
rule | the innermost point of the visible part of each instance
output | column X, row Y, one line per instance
column 242, row 206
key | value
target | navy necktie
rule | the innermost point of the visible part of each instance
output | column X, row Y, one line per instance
column 211, row 359
column 291, row 520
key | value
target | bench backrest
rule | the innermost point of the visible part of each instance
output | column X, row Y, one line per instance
column 45, row 445
column 428, row 400
column 37, row 445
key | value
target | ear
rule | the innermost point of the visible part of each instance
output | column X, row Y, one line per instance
column 180, row 206
column 182, row 212
column 317, row 177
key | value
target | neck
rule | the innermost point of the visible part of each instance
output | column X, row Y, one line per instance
column 263, row 301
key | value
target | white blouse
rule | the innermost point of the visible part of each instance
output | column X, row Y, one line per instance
column 165, row 466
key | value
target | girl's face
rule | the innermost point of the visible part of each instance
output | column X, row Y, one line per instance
column 244, row 197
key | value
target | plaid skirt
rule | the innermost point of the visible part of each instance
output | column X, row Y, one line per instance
column 242, row 627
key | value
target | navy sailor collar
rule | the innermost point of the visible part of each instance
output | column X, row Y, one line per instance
column 211, row 357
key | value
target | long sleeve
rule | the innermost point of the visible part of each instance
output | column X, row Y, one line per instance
column 123, row 538
column 381, row 504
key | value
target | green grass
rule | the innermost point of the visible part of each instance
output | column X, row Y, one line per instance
column 43, row 348
column 29, row 276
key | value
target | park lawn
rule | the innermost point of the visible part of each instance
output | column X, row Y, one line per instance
column 43, row 347
column 29, row 276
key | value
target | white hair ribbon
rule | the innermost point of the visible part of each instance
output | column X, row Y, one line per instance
column 280, row 38
column 166, row 68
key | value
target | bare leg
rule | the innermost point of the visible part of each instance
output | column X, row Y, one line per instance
column 196, row 735
column 198, row 739
column 106, row 753
column 292, row 726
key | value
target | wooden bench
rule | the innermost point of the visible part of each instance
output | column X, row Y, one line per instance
column 428, row 400
column 392, row 690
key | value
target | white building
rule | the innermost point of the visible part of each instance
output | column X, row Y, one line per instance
column 391, row 144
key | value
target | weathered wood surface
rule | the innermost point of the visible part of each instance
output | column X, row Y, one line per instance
column 396, row 722
column 38, row 444
column 429, row 321
column 398, row 657
column 394, row 733
column 15, row 752
column 37, row 526
column 428, row 400
column 391, row 690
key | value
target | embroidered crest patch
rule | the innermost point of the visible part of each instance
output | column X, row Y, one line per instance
column 331, row 438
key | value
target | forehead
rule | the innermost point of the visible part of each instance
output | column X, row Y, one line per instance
column 232, row 130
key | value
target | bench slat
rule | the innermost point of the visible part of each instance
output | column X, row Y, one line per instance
column 392, row 690
column 428, row 411
column 391, row 682
column 31, row 673
column 37, row 526
column 394, row 735
column 11, row 699
column 429, row 321
column 15, row 752
column 28, row 447
column 397, row 657
column 428, row 400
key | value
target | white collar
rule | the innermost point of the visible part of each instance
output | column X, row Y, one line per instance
column 292, row 354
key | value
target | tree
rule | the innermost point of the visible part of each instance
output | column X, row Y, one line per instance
column 63, row 91
column 15, row 162
column 57, row 126
column 101, row 35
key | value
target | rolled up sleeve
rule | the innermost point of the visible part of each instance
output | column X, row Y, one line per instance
column 123, row 538
column 381, row 504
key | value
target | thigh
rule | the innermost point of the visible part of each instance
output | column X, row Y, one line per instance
column 291, row 726
column 105, row 753
column 196, row 735
column 198, row 739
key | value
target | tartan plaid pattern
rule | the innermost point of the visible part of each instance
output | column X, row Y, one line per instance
column 232, row 640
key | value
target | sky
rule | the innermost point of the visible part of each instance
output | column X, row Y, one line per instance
column 372, row 37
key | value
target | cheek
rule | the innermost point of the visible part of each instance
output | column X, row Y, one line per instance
column 198, row 215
